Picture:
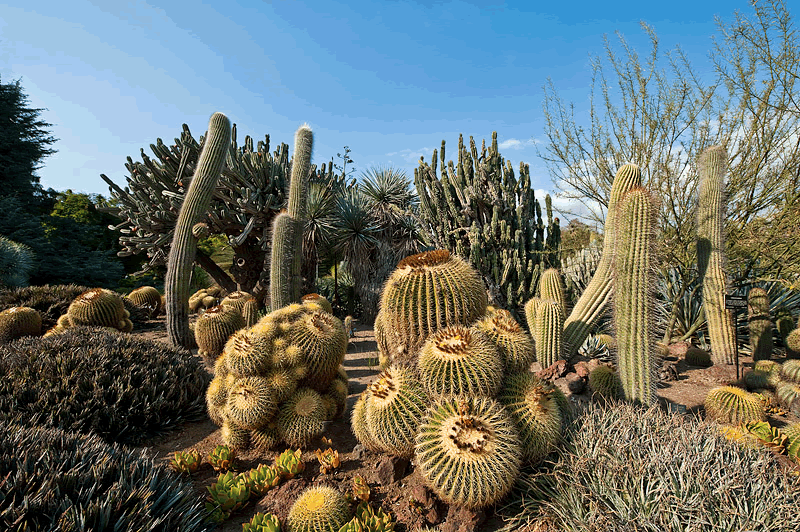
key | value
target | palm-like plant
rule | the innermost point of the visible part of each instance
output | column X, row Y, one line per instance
column 389, row 196
column 319, row 228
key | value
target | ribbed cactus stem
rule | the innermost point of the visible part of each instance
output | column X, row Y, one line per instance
column 551, row 287
column 711, row 169
column 548, row 332
column 760, row 324
column 287, row 237
column 595, row 299
column 634, row 283
column 184, row 244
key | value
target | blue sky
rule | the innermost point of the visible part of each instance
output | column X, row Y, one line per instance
column 389, row 79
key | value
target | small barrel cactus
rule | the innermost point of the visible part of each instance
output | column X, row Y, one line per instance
column 17, row 322
column 358, row 423
column 318, row 509
column 514, row 344
column 147, row 297
column 100, row 307
column 534, row 407
column 251, row 403
column 214, row 327
column 476, row 443
column 698, row 357
column 790, row 370
column 323, row 341
column 729, row 404
column 301, row 418
column 317, row 299
column 605, row 383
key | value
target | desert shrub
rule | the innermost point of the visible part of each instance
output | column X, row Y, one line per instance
column 50, row 300
column 628, row 468
column 55, row 480
column 87, row 379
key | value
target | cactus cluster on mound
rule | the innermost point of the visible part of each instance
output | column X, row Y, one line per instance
column 280, row 379
column 456, row 392
column 98, row 307
column 206, row 298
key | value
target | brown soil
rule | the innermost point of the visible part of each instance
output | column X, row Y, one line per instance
column 394, row 484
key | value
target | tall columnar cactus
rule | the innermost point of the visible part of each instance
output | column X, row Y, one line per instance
column 480, row 210
column 184, row 243
column 634, row 268
column 551, row 286
column 595, row 299
column 759, row 322
column 287, row 238
column 711, row 168
column 548, row 332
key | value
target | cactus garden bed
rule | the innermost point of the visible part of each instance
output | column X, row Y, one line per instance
column 394, row 484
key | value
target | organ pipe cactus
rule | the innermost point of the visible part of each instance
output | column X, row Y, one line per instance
column 711, row 168
column 759, row 323
column 287, row 239
column 184, row 243
column 597, row 296
column 634, row 268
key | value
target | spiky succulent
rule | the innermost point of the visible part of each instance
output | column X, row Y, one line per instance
column 770, row 436
column 251, row 403
column 102, row 307
column 234, row 436
column 328, row 460
column 358, row 423
column 213, row 328
column 301, row 418
column 247, row 353
column 771, row 368
column 756, row 380
column 792, row 433
column 605, row 382
column 318, row 509
column 698, row 357
column 147, row 297
column 458, row 360
column 790, row 370
column 322, row 339
column 468, row 451
column 534, row 407
column 367, row 519
column 316, row 299
column 729, row 404
column 514, row 344
column 17, row 322
column 788, row 393
column 266, row 437
column 394, row 406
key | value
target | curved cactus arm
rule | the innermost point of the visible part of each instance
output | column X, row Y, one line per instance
column 184, row 243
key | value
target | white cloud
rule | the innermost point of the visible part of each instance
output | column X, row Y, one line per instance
column 516, row 144
column 567, row 207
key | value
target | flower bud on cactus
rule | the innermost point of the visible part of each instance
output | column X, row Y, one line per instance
column 728, row 404
column 514, row 345
column 301, row 418
column 318, row 509
column 457, row 360
column 186, row 462
column 17, row 322
column 534, row 407
column 394, row 406
column 468, row 451
column 428, row 292
column 213, row 328
column 262, row 523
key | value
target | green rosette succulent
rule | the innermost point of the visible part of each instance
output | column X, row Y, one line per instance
column 289, row 464
column 186, row 462
column 229, row 493
column 222, row 458
column 262, row 479
column 262, row 523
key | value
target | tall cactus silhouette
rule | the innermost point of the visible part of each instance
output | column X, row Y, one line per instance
column 711, row 168
column 184, row 243
column 634, row 285
column 597, row 296
column 287, row 236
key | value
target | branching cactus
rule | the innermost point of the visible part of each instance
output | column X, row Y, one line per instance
column 287, row 238
column 634, row 268
column 711, row 168
column 595, row 299
column 760, row 323
column 184, row 243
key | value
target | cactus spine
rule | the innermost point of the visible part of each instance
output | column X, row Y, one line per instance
column 634, row 282
column 760, row 324
column 552, row 287
column 287, row 238
column 595, row 299
column 184, row 243
column 548, row 331
column 711, row 168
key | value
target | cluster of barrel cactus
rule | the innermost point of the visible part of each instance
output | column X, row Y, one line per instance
column 216, row 324
column 456, row 391
column 280, row 379
column 96, row 307
column 780, row 382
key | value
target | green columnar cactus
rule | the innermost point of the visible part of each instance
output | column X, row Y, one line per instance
column 17, row 322
column 760, row 324
column 147, row 297
column 594, row 301
column 287, row 240
column 318, row 509
column 461, row 361
column 634, row 267
column 469, row 451
column 184, row 243
column 551, row 287
column 548, row 331
column 214, row 327
column 514, row 344
column 728, row 404
column 711, row 168
column 100, row 307
column 394, row 406
column 480, row 210
column 534, row 407
column 427, row 292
